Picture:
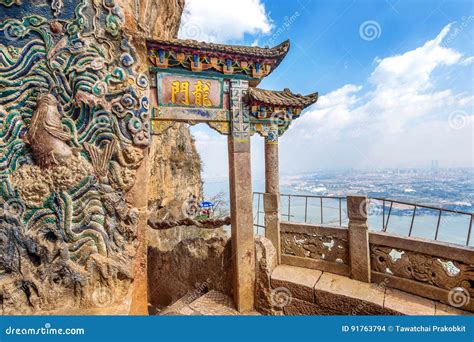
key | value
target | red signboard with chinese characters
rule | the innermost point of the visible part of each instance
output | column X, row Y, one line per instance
column 189, row 91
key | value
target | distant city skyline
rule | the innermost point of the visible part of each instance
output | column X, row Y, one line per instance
column 394, row 78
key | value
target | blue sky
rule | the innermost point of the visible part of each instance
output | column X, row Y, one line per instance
column 327, row 51
column 395, row 79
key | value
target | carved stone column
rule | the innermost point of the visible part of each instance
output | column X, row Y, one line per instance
column 240, row 175
column 358, row 238
column 271, row 198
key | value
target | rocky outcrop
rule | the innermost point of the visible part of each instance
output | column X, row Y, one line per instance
column 174, row 166
column 175, row 177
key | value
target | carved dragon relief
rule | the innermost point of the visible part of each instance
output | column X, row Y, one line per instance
column 326, row 248
column 445, row 274
column 74, row 121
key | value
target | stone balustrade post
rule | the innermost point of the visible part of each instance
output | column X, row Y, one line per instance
column 358, row 238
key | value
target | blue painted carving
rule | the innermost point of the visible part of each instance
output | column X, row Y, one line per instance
column 65, row 228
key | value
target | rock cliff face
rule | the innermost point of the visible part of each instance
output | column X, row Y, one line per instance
column 175, row 177
column 174, row 165
column 193, row 264
column 75, row 164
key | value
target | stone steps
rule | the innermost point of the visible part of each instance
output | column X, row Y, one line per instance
column 211, row 303
column 303, row 291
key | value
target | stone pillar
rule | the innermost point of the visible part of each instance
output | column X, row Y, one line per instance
column 240, row 175
column 271, row 198
column 358, row 238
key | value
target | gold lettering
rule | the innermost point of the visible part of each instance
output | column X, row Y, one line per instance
column 177, row 88
column 201, row 93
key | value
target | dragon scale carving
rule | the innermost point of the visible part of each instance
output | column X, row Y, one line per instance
column 74, row 122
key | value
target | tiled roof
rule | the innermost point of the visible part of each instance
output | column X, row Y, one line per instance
column 282, row 98
column 277, row 52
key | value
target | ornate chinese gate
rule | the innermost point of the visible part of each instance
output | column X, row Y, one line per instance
column 195, row 82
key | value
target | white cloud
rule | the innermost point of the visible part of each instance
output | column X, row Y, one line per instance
column 401, row 111
column 412, row 70
column 224, row 20
column 401, row 116
column 468, row 60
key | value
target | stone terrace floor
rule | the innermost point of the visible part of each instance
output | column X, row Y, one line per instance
column 315, row 292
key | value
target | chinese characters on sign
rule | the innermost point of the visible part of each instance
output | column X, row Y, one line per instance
column 189, row 91
column 201, row 93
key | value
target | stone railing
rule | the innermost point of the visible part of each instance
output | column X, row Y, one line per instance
column 435, row 270
column 319, row 247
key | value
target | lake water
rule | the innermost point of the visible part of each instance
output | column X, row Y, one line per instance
column 453, row 228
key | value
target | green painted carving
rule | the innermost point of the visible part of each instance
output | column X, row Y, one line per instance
column 8, row 3
column 73, row 122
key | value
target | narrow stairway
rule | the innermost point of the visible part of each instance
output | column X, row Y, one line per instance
column 195, row 303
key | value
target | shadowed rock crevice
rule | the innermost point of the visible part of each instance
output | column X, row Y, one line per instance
column 192, row 266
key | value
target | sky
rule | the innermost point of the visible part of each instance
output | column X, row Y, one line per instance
column 395, row 80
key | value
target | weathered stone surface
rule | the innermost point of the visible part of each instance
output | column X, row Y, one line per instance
column 315, row 246
column 299, row 281
column 357, row 208
column 157, row 19
column 408, row 304
column 243, row 245
column 211, row 303
column 192, row 264
column 174, row 178
column 444, row 310
column 214, row 303
column 359, row 251
column 271, row 198
column 422, row 268
column 348, row 296
column 298, row 307
column 72, row 228
column 358, row 238
column 266, row 261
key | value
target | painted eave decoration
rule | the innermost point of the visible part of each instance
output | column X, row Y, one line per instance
column 285, row 98
column 265, row 104
column 247, row 61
